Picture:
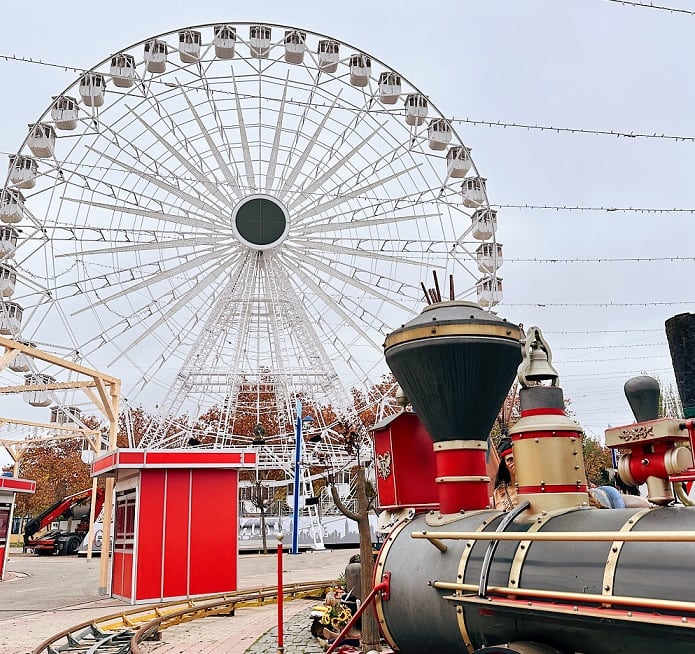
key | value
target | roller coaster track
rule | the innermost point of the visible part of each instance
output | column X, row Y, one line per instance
column 122, row 632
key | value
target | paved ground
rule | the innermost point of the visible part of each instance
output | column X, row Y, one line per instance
column 44, row 595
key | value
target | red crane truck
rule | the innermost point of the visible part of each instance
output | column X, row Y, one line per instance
column 59, row 541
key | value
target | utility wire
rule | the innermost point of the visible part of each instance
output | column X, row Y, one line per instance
column 651, row 5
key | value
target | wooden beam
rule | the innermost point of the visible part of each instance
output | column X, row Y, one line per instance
column 8, row 343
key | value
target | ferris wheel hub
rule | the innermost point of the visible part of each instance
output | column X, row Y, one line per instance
column 260, row 221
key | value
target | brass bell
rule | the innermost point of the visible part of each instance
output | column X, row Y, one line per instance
column 536, row 360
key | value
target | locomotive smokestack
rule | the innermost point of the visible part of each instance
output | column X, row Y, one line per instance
column 456, row 364
column 680, row 333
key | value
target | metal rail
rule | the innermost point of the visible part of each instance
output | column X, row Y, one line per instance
column 122, row 631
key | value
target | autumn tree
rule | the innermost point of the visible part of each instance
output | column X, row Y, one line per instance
column 58, row 470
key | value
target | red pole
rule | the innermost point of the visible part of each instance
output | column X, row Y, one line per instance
column 281, row 646
column 383, row 588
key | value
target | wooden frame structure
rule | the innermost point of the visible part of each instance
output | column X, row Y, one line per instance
column 104, row 392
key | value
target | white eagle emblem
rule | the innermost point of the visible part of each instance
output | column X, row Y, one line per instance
column 383, row 464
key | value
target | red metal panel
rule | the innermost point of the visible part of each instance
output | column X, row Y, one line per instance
column 122, row 583
column 127, row 458
column 15, row 485
column 176, row 507
column 103, row 464
column 213, row 520
column 5, row 511
column 193, row 459
column 148, row 569
column 409, row 480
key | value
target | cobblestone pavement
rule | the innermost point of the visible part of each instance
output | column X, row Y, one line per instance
column 297, row 637
column 249, row 631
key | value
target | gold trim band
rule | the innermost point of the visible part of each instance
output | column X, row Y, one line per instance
column 436, row 330
column 461, row 445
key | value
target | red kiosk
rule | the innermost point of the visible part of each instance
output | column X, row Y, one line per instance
column 176, row 521
column 9, row 487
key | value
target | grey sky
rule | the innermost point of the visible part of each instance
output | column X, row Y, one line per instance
column 588, row 64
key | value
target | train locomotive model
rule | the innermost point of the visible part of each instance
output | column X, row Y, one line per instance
column 554, row 575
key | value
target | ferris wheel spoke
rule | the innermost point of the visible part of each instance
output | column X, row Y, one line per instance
column 382, row 281
column 198, row 174
column 297, row 168
column 169, row 188
column 246, row 151
column 337, row 308
column 146, row 213
column 307, row 191
column 351, row 280
column 197, row 261
column 357, row 252
column 229, row 175
column 154, row 245
column 176, row 306
column 321, row 228
column 337, row 201
column 273, row 158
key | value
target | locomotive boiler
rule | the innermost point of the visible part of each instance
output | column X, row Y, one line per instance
column 555, row 574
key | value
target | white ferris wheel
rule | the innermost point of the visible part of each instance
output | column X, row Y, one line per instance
column 232, row 210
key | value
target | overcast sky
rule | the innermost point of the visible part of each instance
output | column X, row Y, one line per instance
column 585, row 64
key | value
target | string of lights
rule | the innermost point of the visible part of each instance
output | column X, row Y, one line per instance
column 651, row 5
column 607, row 331
column 461, row 121
column 572, row 130
column 612, row 347
column 549, row 207
column 598, row 304
column 612, row 359
column 604, row 260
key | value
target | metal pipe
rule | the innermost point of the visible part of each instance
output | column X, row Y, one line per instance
column 604, row 600
column 564, row 536
column 295, row 494
column 281, row 619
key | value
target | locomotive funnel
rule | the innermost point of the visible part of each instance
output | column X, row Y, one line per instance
column 456, row 364
column 680, row 332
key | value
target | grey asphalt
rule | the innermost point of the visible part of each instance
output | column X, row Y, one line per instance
column 44, row 595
